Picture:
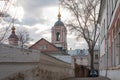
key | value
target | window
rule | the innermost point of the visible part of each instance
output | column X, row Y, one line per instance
column 45, row 47
column 40, row 47
column 57, row 36
column 96, row 56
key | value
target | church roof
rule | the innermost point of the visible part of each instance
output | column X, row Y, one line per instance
column 59, row 23
column 13, row 35
column 51, row 48
column 45, row 42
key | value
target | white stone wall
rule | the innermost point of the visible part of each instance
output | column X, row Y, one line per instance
column 102, row 21
column 105, row 20
column 13, row 54
column 17, row 63
column 102, row 62
column 6, row 69
column 42, row 72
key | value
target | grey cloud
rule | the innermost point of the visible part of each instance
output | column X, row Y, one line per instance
column 30, row 21
column 40, row 35
column 33, row 10
column 29, row 4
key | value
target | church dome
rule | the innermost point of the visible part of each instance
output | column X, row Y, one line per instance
column 59, row 23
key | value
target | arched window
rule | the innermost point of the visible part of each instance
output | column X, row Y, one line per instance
column 57, row 36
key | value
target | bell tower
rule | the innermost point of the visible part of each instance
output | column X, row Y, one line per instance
column 13, row 39
column 59, row 33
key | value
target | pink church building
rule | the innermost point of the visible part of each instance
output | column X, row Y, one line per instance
column 59, row 40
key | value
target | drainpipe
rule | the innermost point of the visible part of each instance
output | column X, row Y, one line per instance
column 107, row 44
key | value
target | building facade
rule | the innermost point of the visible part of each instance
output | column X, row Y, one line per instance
column 59, row 34
column 44, row 46
column 109, row 22
column 82, row 57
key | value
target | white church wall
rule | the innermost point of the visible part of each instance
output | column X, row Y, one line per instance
column 31, row 64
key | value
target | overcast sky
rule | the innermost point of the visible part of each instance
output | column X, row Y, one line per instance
column 38, row 16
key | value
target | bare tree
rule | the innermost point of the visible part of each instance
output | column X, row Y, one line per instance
column 3, row 34
column 84, row 21
column 23, row 36
column 4, row 23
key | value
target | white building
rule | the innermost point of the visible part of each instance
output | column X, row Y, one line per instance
column 109, row 21
column 82, row 57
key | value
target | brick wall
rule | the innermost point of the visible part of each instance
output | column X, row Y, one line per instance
column 44, row 45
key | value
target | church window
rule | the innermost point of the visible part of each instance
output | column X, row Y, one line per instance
column 57, row 36
column 40, row 47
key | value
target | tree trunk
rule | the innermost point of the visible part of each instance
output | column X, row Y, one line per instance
column 92, row 59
